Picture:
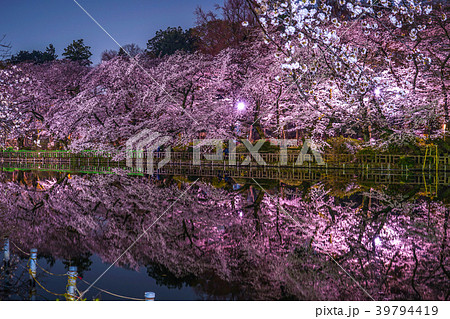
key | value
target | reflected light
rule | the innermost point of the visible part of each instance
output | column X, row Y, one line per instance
column 377, row 92
column 377, row 241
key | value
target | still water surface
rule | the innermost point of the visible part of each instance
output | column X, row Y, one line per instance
column 223, row 238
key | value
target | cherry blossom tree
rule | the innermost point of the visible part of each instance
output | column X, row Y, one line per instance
column 32, row 93
column 179, row 96
column 13, row 117
column 345, row 55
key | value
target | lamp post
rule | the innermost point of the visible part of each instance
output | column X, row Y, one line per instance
column 241, row 106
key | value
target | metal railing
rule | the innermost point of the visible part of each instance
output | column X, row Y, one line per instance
column 271, row 159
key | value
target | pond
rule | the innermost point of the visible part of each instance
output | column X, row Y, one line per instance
column 319, row 235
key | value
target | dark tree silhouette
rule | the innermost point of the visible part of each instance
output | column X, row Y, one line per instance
column 35, row 56
column 229, row 25
column 171, row 40
column 5, row 48
column 78, row 51
column 131, row 49
column 108, row 55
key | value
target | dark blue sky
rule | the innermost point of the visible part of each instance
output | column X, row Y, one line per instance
column 33, row 24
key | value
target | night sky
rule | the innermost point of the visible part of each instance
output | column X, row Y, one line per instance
column 32, row 25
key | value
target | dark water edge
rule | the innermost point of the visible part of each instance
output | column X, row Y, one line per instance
column 121, row 281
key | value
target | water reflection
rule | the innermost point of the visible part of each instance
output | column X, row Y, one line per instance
column 228, row 238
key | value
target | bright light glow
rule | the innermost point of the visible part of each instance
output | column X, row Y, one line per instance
column 241, row 106
column 377, row 92
column 377, row 241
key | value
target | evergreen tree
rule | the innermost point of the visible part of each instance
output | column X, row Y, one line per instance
column 50, row 53
column 170, row 41
column 35, row 56
column 78, row 51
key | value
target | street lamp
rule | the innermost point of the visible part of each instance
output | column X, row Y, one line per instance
column 240, row 106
